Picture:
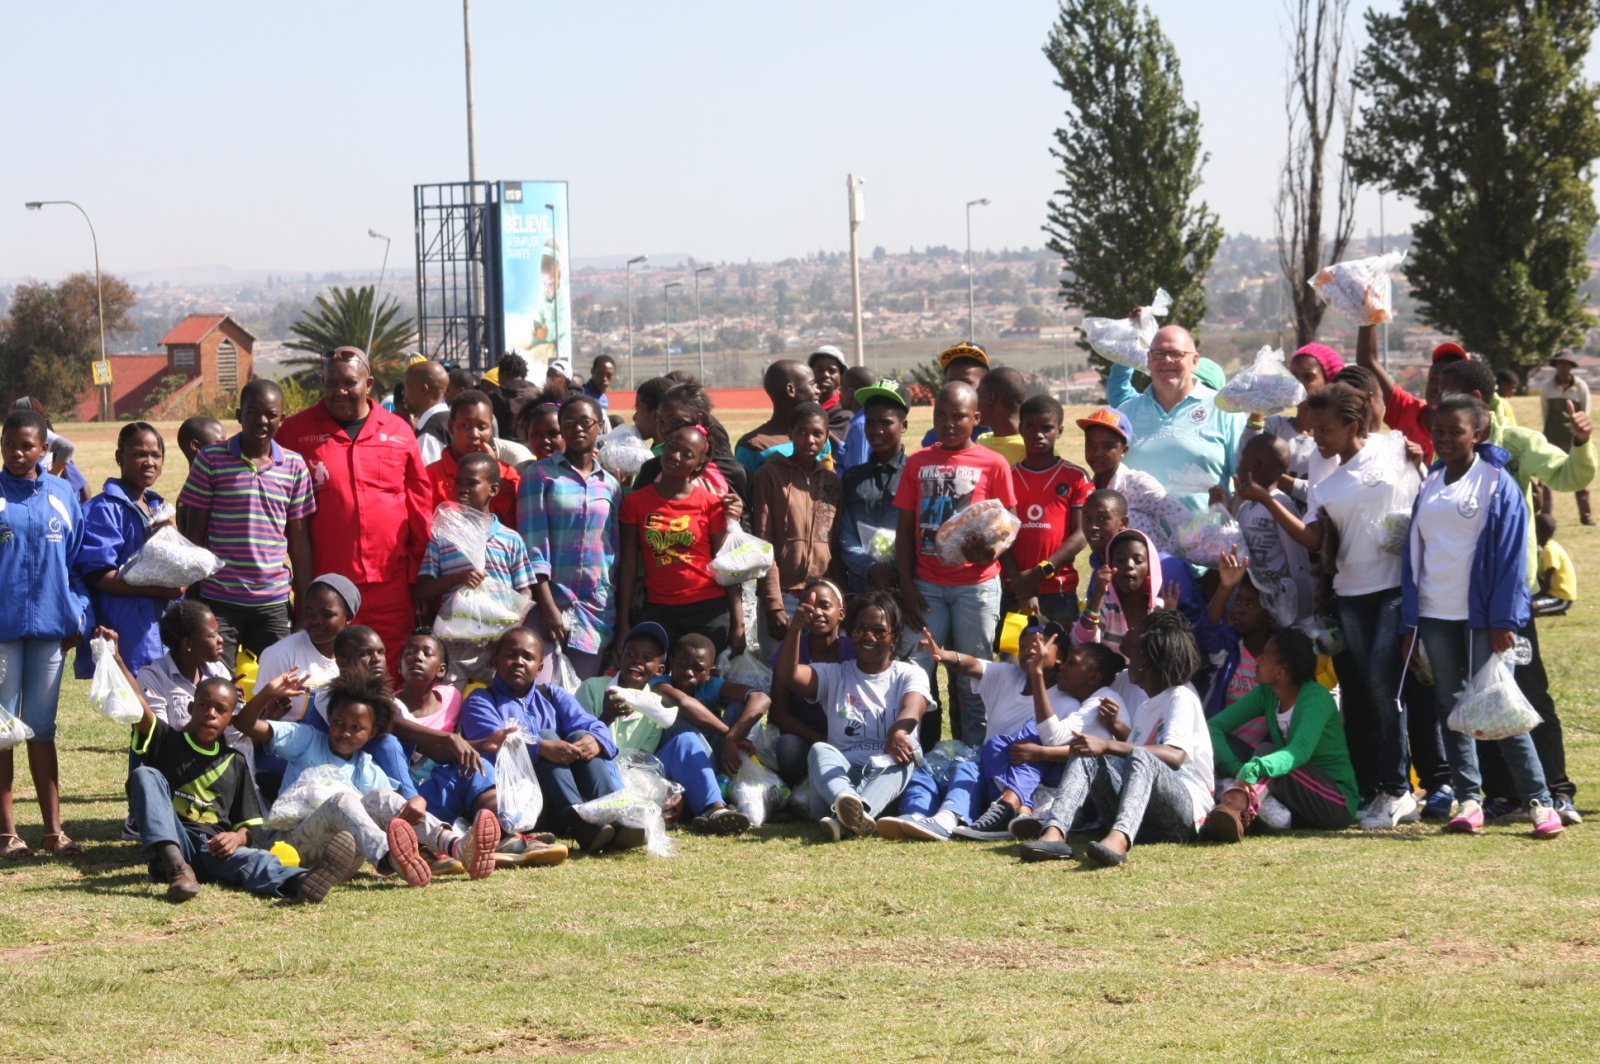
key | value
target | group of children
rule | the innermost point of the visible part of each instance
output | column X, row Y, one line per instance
column 569, row 625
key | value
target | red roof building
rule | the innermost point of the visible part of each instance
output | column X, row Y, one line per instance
column 212, row 353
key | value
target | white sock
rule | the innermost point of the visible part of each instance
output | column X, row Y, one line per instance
column 947, row 819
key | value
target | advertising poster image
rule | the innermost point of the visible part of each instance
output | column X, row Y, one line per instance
column 535, row 272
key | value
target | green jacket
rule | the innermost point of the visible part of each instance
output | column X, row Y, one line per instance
column 1316, row 737
column 1535, row 458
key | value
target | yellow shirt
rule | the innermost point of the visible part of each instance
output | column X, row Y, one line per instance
column 1011, row 448
column 1554, row 559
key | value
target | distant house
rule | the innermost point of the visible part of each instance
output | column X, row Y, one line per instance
column 212, row 353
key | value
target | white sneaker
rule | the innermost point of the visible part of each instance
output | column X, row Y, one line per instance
column 1390, row 810
column 1273, row 814
column 832, row 830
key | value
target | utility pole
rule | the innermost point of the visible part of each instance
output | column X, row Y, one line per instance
column 858, row 214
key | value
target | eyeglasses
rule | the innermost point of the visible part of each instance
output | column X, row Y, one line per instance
column 1169, row 355
column 582, row 424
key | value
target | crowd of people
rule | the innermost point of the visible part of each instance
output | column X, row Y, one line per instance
column 419, row 598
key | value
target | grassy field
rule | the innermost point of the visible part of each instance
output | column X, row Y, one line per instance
column 1407, row 945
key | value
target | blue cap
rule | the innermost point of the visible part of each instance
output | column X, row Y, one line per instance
column 651, row 630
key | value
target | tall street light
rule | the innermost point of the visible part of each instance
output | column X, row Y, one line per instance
column 699, row 336
column 372, row 326
column 99, row 298
column 628, row 279
column 971, row 298
column 666, row 315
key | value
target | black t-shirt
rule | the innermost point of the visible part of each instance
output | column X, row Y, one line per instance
column 353, row 428
column 211, row 790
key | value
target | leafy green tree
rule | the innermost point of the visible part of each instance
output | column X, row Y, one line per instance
column 343, row 318
column 51, row 334
column 1480, row 113
column 1126, row 219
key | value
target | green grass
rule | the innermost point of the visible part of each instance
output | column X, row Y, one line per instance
column 1407, row 945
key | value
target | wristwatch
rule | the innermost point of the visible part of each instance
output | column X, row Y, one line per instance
column 1046, row 568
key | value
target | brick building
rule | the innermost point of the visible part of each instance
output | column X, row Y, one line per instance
column 212, row 352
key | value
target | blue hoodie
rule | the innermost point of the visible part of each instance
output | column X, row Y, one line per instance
column 41, row 529
column 1497, row 590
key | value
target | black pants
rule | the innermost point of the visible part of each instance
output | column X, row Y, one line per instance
column 1423, row 730
column 709, row 617
column 253, row 627
column 1535, row 685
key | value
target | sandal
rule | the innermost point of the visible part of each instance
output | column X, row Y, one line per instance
column 15, row 849
column 63, row 846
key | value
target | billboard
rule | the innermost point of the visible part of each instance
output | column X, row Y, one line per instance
column 535, row 272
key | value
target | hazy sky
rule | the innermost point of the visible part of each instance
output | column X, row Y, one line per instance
column 274, row 135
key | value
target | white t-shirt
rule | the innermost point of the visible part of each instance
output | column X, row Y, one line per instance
column 1356, row 498
column 1279, row 567
column 1074, row 716
column 297, row 653
column 1449, row 521
column 1175, row 717
column 1003, row 687
column 861, row 706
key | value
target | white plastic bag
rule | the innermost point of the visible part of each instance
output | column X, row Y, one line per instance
column 1491, row 705
column 476, row 614
column 12, row 731
column 742, row 557
column 1121, row 341
column 645, row 790
column 465, row 530
column 518, row 798
column 1263, row 387
column 1208, row 535
column 310, row 789
column 1361, row 289
column 168, row 559
column 622, row 452
column 562, row 673
column 747, row 669
column 647, row 702
column 988, row 521
column 110, row 694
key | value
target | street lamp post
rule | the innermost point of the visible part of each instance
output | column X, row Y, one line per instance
column 99, row 298
column 858, row 214
column 666, row 323
column 628, row 280
column 372, row 326
column 971, row 297
column 699, row 335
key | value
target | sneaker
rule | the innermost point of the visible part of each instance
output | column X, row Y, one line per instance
column 182, row 884
column 1567, row 812
column 405, row 857
column 1440, row 803
column 1501, row 809
column 995, row 823
column 722, row 821
column 627, row 838
column 832, row 830
column 447, row 866
column 1390, row 810
column 1546, row 821
column 1034, row 852
column 534, row 854
column 476, row 848
column 919, row 828
column 1025, row 828
column 338, row 862
column 1273, row 814
column 892, row 828
column 1468, row 819
column 594, row 838
column 1229, row 818
column 852, row 812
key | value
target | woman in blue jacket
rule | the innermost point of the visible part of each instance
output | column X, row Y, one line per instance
column 41, row 529
column 116, row 524
column 1464, row 592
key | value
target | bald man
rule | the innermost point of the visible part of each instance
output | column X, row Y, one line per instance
column 425, row 387
column 788, row 383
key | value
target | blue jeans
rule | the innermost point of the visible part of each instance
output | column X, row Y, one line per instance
column 1374, row 716
column 150, row 799
column 686, row 756
column 30, row 683
column 1456, row 652
column 451, row 793
column 963, row 619
column 832, row 777
column 565, row 786
column 960, row 793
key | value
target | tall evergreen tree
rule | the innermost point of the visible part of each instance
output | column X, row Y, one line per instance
column 1126, row 220
column 1480, row 113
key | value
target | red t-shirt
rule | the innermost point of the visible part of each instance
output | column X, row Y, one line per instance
column 1404, row 412
column 1045, row 501
column 675, row 539
column 937, row 484
column 442, row 488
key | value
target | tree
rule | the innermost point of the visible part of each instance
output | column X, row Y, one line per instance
column 1125, row 221
column 343, row 317
column 1480, row 113
column 1029, row 316
column 52, row 333
column 1319, row 99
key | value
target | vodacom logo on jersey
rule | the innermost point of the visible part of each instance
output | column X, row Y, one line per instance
column 1033, row 517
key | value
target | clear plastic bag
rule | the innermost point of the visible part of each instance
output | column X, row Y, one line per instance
column 880, row 547
column 742, row 557
column 645, row 790
column 1263, row 387
column 800, row 799
column 747, row 669
column 518, row 799
column 945, row 755
column 466, row 530
column 1208, row 535
column 1121, row 341
column 988, row 521
column 477, row 614
column 562, row 674
column 758, row 791
column 110, row 694
column 647, row 702
column 1392, row 530
column 1491, row 705
column 1361, row 289
column 622, row 452
column 310, row 789
column 168, row 559
column 12, row 731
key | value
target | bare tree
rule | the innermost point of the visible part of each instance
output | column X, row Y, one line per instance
column 1318, row 102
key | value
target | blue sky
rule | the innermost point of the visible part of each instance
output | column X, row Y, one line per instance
column 274, row 135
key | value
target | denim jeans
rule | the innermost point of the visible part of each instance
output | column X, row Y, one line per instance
column 962, row 618
column 150, row 800
column 832, row 777
column 959, row 793
column 565, row 786
column 686, row 756
column 30, row 683
column 1456, row 653
column 1374, row 716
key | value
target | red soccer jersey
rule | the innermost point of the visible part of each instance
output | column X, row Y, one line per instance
column 372, row 517
column 675, row 539
column 1046, row 499
column 938, row 483
column 1404, row 412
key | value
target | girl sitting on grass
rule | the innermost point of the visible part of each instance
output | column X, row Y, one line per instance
column 801, row 723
